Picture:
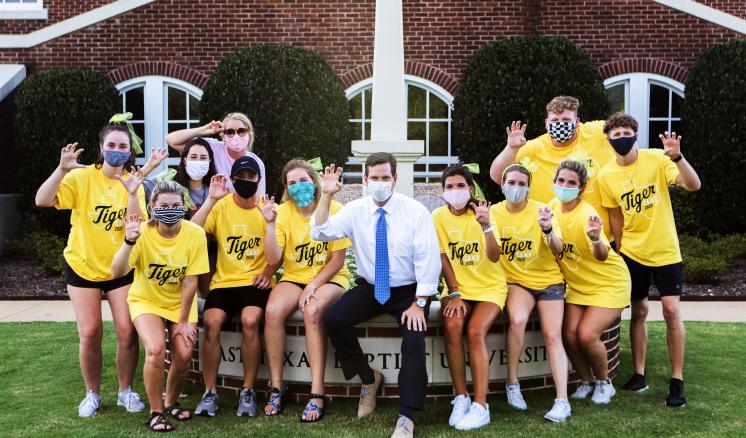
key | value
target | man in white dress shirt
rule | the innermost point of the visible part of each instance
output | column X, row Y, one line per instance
column 398, row 263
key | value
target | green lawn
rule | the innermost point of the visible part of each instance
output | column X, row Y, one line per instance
column 40, row 387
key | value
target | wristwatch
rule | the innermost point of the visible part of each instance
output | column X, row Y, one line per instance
column 421, row 302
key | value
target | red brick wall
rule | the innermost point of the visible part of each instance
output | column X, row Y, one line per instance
column 440, row 36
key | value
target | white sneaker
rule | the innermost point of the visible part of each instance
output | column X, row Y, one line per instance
column 584, row 390
column 477, row 417
column 130, row 400
column 461, row 406
column 90, row 404
column 603, row 393
column 515, row 398
column 560, row 411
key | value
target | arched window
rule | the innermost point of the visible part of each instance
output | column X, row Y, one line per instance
column 159, row 105
column 653, row 100
column 429, row 109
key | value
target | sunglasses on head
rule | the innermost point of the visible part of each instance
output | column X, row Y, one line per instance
column 240, row 131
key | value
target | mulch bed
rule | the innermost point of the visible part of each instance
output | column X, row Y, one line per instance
column 24, row 279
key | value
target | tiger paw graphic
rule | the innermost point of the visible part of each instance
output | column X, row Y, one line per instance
column 463, row 252
column 520, row 251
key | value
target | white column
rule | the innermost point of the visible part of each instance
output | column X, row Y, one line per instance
column 389, row 111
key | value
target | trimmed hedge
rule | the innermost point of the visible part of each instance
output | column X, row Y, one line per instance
column 54, row 108
column 713, row 122
column 705, row 260
column 514, row 79
column 43, row 246
column 293, row 97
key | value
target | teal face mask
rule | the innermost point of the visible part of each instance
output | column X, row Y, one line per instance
column 303, row 193
column 566, row 194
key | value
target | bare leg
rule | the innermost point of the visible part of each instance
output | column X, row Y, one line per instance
column 87, row 307
column 550, row 313
column 454, row 340
column 482, row 317
column 571, row 322
column 251, row 347
column 594, row 322
column 638, row 334
column 151, row 329
column 519, row 306
column 209, row 354
column 676, row 334
column 282, row 302
column 181, row 354
column 128, row 350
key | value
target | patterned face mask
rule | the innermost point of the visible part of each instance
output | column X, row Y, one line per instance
column 561, row 131
column 169, row 216
column 303, row 193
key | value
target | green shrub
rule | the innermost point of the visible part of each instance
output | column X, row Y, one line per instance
column 514, row 79
column 292, row 96
column 705, row 260
column 43, row 246
column 54, row 108
column 713, row 121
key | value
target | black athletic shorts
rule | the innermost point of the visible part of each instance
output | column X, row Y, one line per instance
column 303, row 286
column 669, row 279
column 76, row 280
column 232, row 300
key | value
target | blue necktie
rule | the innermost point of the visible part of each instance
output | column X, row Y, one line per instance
column 382, row 292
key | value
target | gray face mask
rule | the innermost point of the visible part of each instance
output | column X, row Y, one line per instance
column 515, row 194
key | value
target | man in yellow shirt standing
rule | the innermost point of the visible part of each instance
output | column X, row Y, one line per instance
column 635, row 190
column 566, row 137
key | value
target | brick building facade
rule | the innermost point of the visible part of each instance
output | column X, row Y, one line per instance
column 642, row 48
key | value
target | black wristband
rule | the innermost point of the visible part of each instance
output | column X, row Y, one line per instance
column 547, row 231
column 129, row 242
column 677, row 159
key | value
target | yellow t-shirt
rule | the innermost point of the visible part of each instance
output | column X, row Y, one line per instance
column 240, row 236
column 304, row 257
column 526, row 257
column 462, row 241
column 590, row 146
column 641, row 191
column 98, row 205
column 590, row 282
column 160, row 266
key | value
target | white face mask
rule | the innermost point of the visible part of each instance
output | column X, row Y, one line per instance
column 380, row 190
column 197, row 169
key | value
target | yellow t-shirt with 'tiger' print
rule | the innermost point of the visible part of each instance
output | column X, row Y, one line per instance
column 526, row 257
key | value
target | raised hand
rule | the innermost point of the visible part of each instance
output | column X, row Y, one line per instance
column 157, row 156
column 267, row 208
column 594, row 227
column 330, row 179
column 133, row 182
column 482, row 212
column 217, row 187
column 516, row 135
column 671, row 144
column 69, row 158
column 545, row 218
column 212, row 128
column 132, row 227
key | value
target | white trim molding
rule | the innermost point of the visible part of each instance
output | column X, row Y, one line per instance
column 11, row 76
column 707, row 13
column 70, row 25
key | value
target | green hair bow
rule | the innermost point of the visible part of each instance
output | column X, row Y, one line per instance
column 474, row 168
column 120, row 118
column 316, row 164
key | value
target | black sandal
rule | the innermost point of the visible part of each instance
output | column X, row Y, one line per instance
column 313, row 407
column 274, row 399
column 157, row 419
column 176, row 411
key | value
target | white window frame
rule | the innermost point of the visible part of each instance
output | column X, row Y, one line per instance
column 433, row 88
column 23, row 10
column 638, row 85
column 155, row 100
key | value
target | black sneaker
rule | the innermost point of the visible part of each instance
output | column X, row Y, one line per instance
column 636, row 383
column 675, row 397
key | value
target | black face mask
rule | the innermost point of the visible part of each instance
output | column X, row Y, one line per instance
column 245, row 189
column 623, row 145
